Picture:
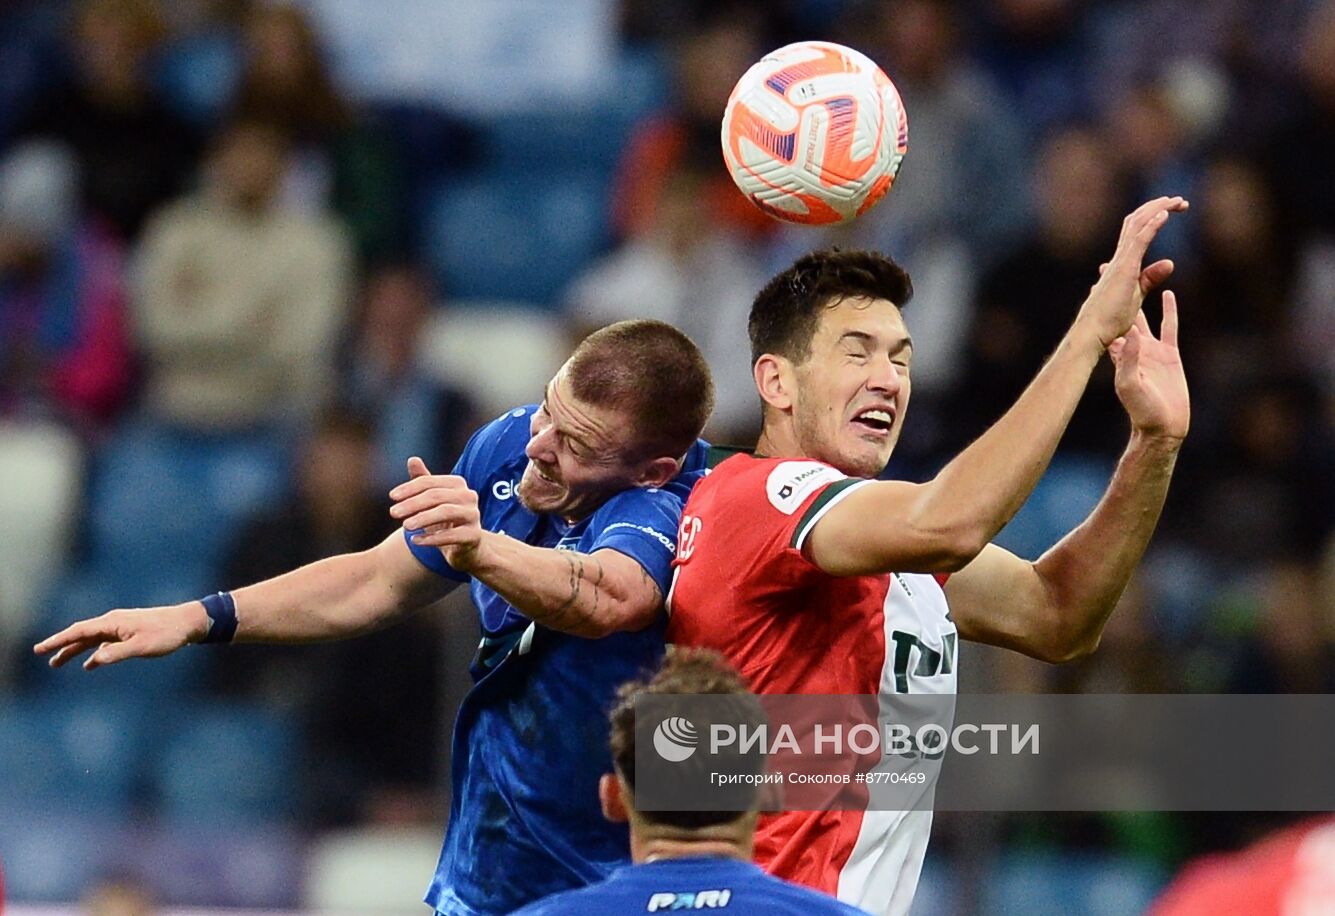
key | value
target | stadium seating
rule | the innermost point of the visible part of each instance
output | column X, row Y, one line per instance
column 228, row 765
column 516, row 235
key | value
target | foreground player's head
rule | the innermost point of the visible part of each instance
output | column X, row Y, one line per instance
column 831, row 357
column 621, row 413
column 669, row 834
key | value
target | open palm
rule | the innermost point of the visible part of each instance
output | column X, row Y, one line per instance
column 1151, row 383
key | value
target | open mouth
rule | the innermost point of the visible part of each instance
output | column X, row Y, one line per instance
column 551, row 480
column 877, row 420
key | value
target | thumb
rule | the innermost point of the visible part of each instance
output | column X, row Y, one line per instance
column 417, row 467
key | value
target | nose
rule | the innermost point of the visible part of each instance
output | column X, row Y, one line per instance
column 542, row 440
column 885, row 377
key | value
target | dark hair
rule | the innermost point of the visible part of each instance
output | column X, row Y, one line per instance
column 693, row 672
column 652, row 372
column 785, row 313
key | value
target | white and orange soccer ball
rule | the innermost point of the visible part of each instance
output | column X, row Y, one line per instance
column 814, row 133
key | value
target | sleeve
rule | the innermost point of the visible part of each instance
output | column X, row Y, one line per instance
column 485, row 451
column 642, row 524
column 803, row 491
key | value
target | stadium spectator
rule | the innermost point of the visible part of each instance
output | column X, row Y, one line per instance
column 64, row 342
column 688, row 271
column 613, row 454
column 707, row 63
column 240, row 302
column 415, row 413
column 1016, row 324
column 686, row 859
column 337, row 160
column 955, row 111
column 134, row 154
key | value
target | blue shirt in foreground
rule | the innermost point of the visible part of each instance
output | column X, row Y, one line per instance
column 530, row 741
column 739, row 888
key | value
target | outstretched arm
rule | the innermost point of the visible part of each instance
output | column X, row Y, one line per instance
column 1055, row 608
column 940, row 526
column 342, row 596
column 590, row 595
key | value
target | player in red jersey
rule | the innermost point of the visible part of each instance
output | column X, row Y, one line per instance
column 812, row 578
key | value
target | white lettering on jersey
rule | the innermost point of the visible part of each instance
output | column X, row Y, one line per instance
column 791, row 482
column 690, row 900
column 690, row 527
column 658, row 536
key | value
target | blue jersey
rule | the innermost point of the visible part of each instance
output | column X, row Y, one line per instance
column 737, row 888
column 531, row 738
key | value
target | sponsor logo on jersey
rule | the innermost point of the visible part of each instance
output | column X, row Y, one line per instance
column 690, row 900
column 675, row 739
column 791, row 482
column 658, row 536
column 503, row 489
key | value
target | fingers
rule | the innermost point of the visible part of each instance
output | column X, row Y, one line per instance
column 452, row 516
column 111, row 652
column 1143, row 324
column 1155, row 274
column 90, row 631
column 71, row 651
column 417, row 467
column 444, row 536
column 422, row 483
column 1143, row 224
column 1115, row 350
column 409, row 508
column 1168, row 330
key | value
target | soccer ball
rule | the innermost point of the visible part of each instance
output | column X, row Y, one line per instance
column 814, row 133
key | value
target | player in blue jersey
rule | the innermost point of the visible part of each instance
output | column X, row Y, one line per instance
column 562, row 517
column 687, row 860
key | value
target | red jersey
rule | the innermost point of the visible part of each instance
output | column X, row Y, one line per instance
column 744, row 588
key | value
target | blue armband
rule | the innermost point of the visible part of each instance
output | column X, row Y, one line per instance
column 222, row 616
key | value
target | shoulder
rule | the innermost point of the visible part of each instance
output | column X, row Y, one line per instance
column 586, row 901
column 505, row 436
column 786, row 484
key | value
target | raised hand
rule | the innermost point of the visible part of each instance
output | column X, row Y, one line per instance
column 1151, row 383
column 122, row 634
column 444, row 509
column 1114, row 301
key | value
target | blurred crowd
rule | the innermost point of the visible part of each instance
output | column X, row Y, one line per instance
column 241, row 282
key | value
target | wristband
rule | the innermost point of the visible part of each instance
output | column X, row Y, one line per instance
column 222, row 617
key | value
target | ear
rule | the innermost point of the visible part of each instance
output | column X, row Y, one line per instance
column 774, row 381
column 613, row 801
column 657, row 472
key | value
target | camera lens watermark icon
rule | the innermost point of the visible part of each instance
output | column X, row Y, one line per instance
column 675, row 739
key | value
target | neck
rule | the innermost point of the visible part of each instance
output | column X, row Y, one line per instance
column 657, row 849
column 778, row 440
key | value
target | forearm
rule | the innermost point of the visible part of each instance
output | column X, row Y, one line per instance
column 1086, row 572
column 977, row 493
column 588, row 595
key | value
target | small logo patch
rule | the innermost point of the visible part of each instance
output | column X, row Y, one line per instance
column 791, row 482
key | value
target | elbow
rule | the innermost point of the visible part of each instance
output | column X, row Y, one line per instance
column 1063, row 644
column 1070, row 650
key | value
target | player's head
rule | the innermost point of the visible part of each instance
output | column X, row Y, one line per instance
column 689, row 672
column 622, row 412
column 831, row 357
